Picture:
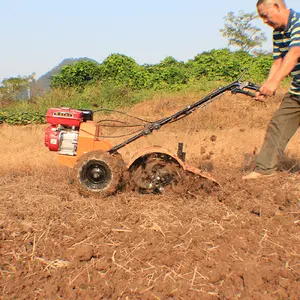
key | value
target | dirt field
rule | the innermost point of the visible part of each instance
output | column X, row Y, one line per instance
column 241, row 242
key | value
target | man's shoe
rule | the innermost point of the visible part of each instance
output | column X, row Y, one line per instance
column 256, row 175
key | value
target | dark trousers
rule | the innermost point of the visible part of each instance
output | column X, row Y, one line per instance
column 281, row 128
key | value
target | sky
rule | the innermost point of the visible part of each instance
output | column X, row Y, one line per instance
column 36, row 35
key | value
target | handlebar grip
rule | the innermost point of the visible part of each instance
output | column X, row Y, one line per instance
column 250, row 94
column 253, row 86
column 247, row 93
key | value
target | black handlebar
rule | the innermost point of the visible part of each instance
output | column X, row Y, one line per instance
column 234, row 87
column 239, row 91
column 246, row 85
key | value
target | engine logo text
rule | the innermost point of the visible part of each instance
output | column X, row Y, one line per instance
column 62, row 114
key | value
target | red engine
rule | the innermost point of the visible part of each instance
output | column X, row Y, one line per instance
column 64, row 116
column 62, row 135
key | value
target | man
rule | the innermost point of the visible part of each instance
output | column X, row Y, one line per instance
column 286, row 54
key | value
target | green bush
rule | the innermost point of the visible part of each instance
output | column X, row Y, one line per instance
column 22, row 118
column 169, row 74
column 259, row 69
column 220, row 64
column 119, row 81
column 120, row 70
column 77, row 75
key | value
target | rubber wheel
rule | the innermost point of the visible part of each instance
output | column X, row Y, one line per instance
column 98, row 173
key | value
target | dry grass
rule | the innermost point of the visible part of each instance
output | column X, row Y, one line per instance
column 58, row 244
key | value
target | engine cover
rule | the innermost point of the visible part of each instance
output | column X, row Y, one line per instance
column 67, row 117
column 68, row 142
column 61, row 139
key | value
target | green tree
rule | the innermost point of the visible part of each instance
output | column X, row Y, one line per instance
column 168, row 74
column 120, row 69
column 76, row 75
column 219, row 64
column 11, row 87
column 240, row 31
column 171, row 72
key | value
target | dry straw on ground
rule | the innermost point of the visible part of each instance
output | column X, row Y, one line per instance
column 57, row 244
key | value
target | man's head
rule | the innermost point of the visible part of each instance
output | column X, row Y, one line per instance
column 273, row 12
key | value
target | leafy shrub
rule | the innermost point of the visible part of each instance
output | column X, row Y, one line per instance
column 22, row 118
column 259, row 69
column 119, row 81
column 219, row 64
column 76, row 75
column 169, row 74
column 120, row 69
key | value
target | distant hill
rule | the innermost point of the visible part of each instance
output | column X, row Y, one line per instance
column 43, row 83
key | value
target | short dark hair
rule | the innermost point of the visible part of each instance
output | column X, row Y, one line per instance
column 259, row 2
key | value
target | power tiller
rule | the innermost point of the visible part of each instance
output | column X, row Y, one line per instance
column 100, row 169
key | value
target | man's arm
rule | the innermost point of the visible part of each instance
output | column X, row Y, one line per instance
column 275, row 66
column 280, row 71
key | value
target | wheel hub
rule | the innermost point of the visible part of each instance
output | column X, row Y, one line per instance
column 97, row 174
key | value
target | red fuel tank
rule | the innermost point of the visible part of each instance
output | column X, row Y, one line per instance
column 64, row 116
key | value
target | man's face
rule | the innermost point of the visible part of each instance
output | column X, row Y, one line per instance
column 270, row 14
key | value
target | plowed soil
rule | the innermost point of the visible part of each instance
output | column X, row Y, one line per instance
column 240, row 242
